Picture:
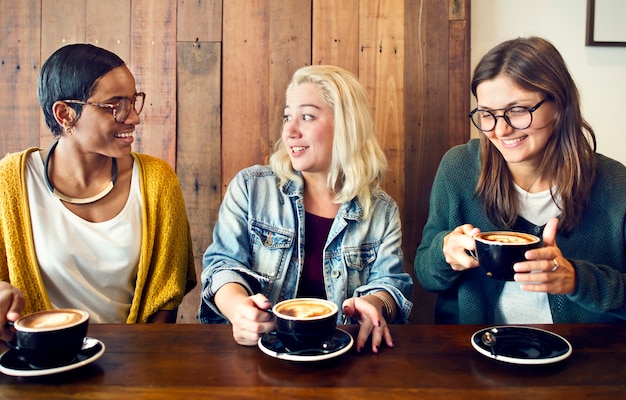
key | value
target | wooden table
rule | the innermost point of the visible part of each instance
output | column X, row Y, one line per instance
column 438, row 362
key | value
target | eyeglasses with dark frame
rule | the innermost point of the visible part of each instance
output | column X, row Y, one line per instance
column 121, row 109
column 517, row 117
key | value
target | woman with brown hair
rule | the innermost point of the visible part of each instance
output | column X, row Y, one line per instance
column 534, row 169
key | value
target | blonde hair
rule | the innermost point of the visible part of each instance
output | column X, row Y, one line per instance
column 358, row 164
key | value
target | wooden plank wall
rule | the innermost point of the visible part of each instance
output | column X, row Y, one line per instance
column 215, row 73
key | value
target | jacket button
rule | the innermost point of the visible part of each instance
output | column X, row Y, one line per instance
column 268, row 240
column 335, row 274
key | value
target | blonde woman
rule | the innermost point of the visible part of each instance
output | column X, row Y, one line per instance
column 325, row 177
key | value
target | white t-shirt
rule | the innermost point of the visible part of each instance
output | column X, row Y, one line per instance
column 517, row 306
column 86, row 265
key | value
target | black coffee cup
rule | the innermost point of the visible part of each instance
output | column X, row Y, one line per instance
column 50, row 338
column 498, row 251
column 304, row 323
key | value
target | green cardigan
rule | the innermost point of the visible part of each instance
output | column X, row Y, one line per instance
column 596, row 247
column 166, row 265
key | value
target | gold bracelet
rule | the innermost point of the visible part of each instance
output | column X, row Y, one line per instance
column 387, row 306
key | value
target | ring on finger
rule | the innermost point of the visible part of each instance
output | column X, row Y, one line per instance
column 556, row 265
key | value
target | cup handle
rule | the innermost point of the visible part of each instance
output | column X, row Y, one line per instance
column 472, row 253
column 11, row 343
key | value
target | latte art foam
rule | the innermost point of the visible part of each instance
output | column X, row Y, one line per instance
column 54, row 319
column 304, row 309
column 507, row 238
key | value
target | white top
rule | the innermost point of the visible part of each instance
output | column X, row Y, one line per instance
column 517, row 306
column 85, row 265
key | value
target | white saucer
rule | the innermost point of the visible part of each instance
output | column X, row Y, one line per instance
column 12, row 364
column 523, row 345
column 339, row 344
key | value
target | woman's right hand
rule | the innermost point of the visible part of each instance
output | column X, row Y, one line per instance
column 252, row 319
column 11, row 305
column 455, row 247
column 249, row 315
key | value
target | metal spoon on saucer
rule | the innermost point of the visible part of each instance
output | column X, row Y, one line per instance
column 489, row 339
column 88, row 343
column 325, row 348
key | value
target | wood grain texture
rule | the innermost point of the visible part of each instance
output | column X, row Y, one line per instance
column 245, row 85
column 290, row 49
column 381, row 71
column 199, row 148
column 199, row 21
column 153, row 61
column 459, row 66
column 427, row 362
column 336, row 33
column 19, row 69
column 108, row 25
column 431, row 123
column 56, row 33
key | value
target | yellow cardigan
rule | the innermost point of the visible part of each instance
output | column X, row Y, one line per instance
column 166, row 265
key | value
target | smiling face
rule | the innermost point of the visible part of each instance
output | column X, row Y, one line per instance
column 520, row 148
column 308, row 130
column 96, row 129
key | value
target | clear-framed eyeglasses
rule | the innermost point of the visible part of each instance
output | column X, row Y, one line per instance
column 517, row 117
column 122, row 108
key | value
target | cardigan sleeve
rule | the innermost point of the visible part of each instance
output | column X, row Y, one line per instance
column 451, row 204
column 18, row 262
column 166, row 267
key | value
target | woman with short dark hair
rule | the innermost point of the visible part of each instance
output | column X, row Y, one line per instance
column 88, row 223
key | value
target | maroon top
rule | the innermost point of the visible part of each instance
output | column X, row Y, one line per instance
column 315, row 235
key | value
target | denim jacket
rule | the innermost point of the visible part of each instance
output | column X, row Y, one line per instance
column 258, row 242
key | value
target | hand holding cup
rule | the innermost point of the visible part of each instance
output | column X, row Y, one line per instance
column 498, row 251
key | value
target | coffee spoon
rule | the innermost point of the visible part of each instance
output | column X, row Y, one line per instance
column 88, row 343
column 489, row 339
column 315, row 351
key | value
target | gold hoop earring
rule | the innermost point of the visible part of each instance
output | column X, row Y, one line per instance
column 68, row 130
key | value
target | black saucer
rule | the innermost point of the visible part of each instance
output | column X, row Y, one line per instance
column 12, row 363
column 339, row 343
column 523, row 345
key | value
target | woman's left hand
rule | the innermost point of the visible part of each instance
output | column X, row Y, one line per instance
column 551, row 272
column 368, row 311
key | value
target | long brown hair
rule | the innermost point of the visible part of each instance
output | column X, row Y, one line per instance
column 569, row 161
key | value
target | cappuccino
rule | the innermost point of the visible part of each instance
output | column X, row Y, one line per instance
column 51, row 320
column 51, row 338
column 304, row 309
column 507, row 237
column 305, row 323
column 497, row 252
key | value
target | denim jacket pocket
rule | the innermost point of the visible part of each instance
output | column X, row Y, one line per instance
column 359, row 258
column 270, row 237
column 272, row 246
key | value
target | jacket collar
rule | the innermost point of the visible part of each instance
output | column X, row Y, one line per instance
column 350, row 210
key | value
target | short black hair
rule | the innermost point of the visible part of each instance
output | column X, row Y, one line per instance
column 72, row 73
